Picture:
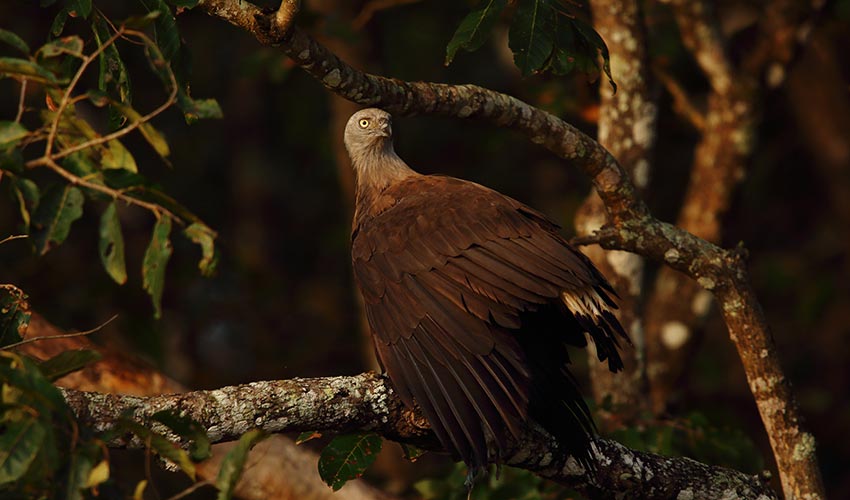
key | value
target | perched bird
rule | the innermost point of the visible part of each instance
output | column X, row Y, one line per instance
column 471, row 297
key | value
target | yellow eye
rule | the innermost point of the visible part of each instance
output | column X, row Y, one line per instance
column 364, row 123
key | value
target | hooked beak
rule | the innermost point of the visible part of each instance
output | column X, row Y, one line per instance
column 386, row 129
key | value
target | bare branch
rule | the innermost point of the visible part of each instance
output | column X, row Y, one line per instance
column 60, row 336
column 21, row 100
column 367, row 403
column 75, row 180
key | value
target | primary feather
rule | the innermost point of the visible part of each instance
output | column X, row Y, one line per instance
column 471, row 297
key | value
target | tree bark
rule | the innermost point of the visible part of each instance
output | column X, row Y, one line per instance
column 366, row 402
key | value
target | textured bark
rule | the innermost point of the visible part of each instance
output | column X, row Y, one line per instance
column 627, row 130
column 269, row 466
column 631, row 228
column 366, row 403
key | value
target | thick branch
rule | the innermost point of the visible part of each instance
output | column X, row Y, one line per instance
column 270, row 464
column 366, row 403
column 633, row 229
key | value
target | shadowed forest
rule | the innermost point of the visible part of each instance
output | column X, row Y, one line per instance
column 273, row 181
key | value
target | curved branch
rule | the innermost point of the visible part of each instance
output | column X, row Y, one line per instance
column 366, row 402
column 632, row 227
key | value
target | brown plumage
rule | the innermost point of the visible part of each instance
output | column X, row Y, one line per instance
column 471, row 297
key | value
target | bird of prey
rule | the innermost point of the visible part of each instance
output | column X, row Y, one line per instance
column 471, row 297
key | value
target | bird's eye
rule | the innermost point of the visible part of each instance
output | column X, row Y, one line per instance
column 364, row 123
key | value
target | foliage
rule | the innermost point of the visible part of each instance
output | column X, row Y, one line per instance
column 693, row 435
column 506, row 483
column 45, row 452
column 347, row 457
column 544, row 36
column 93, row 167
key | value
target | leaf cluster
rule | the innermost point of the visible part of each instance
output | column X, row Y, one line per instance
column 46, row 453
column 63, row 133
column 545, row 36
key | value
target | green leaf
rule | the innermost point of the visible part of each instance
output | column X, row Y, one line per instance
column 152, row 135
column 234, row 463
column 11, row 160
column 14, row 314
column 15, row 41
column 141, row 22
column 307, row 436
column 59, row 22
column 347, row 457
column 29, row 69
column 32, row 389
column 596, row 43
column 111, row 245
column 26, row 192
column 67, row 362
column 205, row 237
column 112, row 73
column 187, row 428
column 116, row 156
column 475, row 29
column 11, row 133
column 153, row 265
column 411, row 452
column 532, row 35
column 166, row 35
column 198, row 109
column 161, row 445
column 72, row 45
column 20, row 442
column 60, row 206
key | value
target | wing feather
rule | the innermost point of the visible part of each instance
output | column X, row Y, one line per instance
column 470, row 297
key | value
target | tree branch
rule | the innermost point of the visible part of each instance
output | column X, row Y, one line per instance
column 632, row 227
column 367, row 403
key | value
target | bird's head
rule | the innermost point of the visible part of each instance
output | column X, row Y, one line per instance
column 368, row 130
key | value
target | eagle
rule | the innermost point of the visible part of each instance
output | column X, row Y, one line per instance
column 472, row 299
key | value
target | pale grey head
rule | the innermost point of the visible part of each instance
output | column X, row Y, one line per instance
column 368, row 129
column 369, row 141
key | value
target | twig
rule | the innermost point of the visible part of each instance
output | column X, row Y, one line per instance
column 14, row 236
column 62, row 336
column 48, row 159
column 284, row 17
column 21, row 100
column 66, row 96
column 172, row 98
column 157, row 210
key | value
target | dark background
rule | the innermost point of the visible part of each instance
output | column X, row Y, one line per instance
column 267, row 178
